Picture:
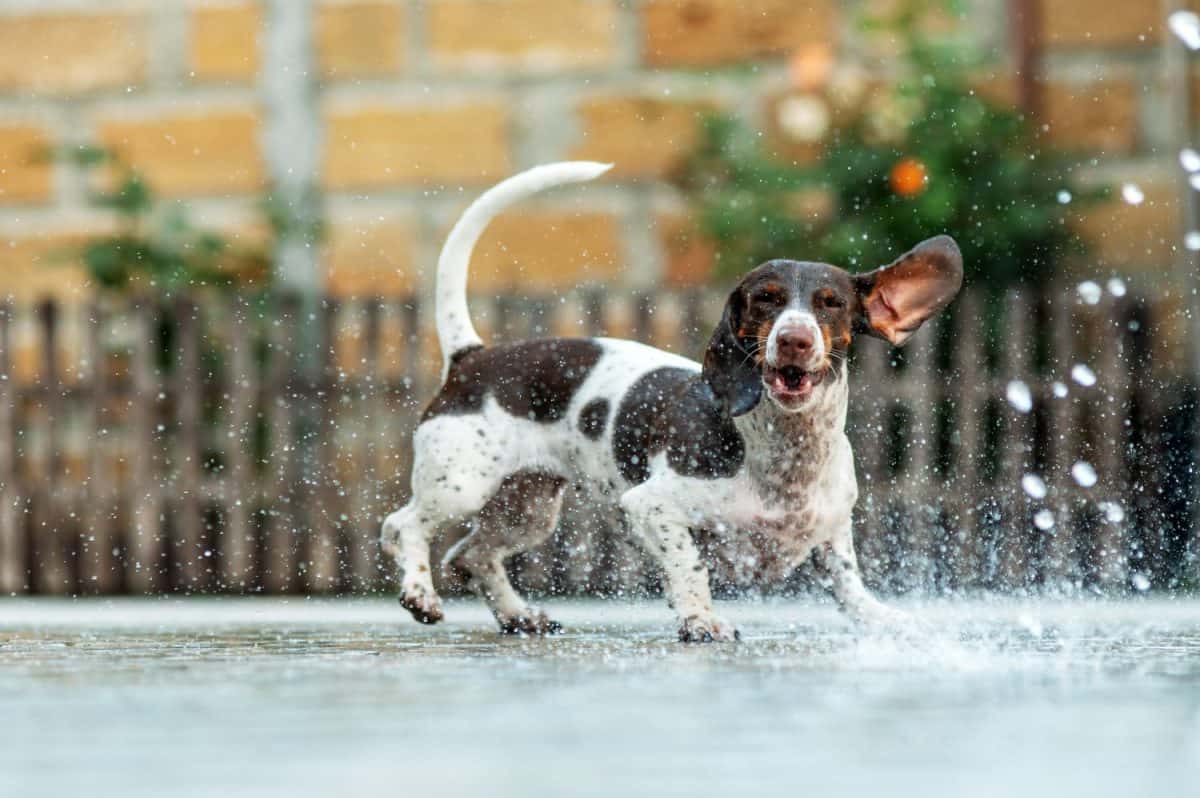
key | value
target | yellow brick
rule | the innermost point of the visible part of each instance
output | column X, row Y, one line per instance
column 1123, row 235
column 690, row 256
column 37, row 267
column 191, row 153
column 1086, row 23
column 387, row 146
column 224, row 42
column 1099, row 116
column 680, row 32
column 25, row 169
column 71, row 52
column 545, row 34
column 546, row 250
column 359, row 39
column 642, row 137
column 370, row 259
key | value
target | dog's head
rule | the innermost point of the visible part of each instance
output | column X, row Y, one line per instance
column 788, row 324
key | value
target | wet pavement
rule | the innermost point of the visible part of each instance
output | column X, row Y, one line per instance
column 312, row 697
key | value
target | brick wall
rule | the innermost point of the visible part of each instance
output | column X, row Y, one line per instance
column 422, row 103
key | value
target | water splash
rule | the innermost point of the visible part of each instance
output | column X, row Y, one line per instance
column 1059, row 389
column 1084, row 474
column 1189, row 159
column 1019, row 396
column 1034, row 486
column 1186, row 26
column 1063, row 197
column 1116, row 287
column 1083, row 375
column 1192, row 241
column 1089, row 291
column 1113, row 512
column 1132, row 194
column 1043, row 519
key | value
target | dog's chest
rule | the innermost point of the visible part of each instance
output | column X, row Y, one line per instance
column 798, row 489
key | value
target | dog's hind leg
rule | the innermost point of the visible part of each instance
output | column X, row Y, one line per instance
column 457, row 467
column 521, row 514
column 405, row 536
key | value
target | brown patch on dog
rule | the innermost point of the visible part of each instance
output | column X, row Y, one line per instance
column 531, row 379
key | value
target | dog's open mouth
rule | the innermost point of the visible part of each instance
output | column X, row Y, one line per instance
column 791, row 384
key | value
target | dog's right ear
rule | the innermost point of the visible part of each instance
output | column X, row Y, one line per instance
column 898, row 298
column 729, row 367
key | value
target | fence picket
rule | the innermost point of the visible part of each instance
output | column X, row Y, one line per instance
column 13, row 549
column 1059, row 569
column 97, row 564
column 1112, row 440
column 187, row 548
column 144, row 565
column 241, row 380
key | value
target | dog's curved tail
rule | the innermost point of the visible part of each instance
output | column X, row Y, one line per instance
column 454, row 329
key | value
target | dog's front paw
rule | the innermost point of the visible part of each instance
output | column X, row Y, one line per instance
column 707, row 629
column 423, row 604
column 532, row 624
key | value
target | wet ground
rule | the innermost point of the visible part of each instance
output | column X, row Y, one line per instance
column 303, row 697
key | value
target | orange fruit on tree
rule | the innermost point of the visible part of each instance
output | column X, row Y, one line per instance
column 908, row 177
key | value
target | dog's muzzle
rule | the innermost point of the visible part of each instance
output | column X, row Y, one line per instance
column 795, row 363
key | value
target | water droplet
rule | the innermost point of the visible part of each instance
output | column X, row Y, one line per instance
column 1186, row 25
column 1063, row 196
column 1019, row 396
column 1059, row 389
column 1034, row 485
column 1089, row 291
column 1116, row 286
column 1113, row 512
column 1043, row 519
column 1141, row 582
column 1189, row 159
column 1084, row 474
column 1192, row 240
column 1132, row 194
column 1083, row 375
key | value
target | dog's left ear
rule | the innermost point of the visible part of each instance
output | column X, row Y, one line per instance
column 897, row 299
column 729, row 367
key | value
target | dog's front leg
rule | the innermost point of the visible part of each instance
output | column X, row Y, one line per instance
column 663, row 530
column 839, row 563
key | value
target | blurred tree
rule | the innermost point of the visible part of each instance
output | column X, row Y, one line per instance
column 923, row 155
column 155, row 245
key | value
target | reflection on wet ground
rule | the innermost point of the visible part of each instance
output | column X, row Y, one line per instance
column 307, row 697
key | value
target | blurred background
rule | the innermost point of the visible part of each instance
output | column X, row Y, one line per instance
column 219, row 222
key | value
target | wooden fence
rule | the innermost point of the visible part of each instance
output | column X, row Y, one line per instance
column 218, row 444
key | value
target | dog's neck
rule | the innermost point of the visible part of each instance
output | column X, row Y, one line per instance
column 786, row 452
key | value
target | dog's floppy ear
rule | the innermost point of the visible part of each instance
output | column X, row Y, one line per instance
column 729, row 368
column 897, row 299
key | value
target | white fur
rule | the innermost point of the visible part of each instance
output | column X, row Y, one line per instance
column 790, row 319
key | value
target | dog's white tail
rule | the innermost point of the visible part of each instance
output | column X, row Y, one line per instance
column 454, row 329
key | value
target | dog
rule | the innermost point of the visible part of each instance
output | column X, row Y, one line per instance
column 740, row 460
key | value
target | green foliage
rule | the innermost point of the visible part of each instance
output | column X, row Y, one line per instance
column 155, row 244
column 987, row 181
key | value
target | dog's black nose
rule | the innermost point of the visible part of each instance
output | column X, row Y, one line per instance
column 795, row 342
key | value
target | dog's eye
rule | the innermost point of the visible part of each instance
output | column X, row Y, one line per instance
column 768, row 298
column 832, row 301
